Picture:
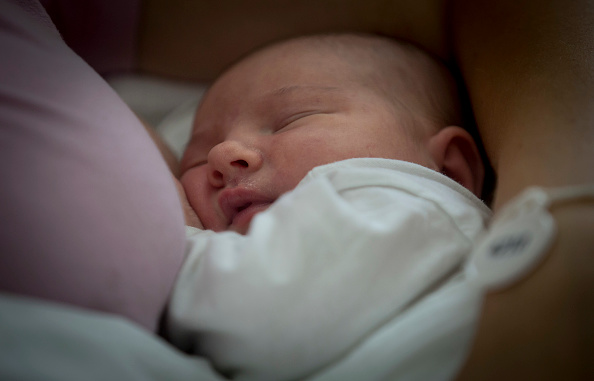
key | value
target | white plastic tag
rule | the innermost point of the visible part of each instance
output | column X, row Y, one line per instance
column 515, row 243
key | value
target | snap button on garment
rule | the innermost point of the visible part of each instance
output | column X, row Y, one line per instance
column 519, row 237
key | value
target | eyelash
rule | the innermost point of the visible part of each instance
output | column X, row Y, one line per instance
column 194, row 165
column 294, row 118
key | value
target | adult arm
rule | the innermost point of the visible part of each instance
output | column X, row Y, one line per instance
column 528, row 66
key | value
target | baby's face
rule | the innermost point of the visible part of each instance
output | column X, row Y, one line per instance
column 268, row 121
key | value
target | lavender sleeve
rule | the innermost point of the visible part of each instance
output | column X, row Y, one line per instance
column 89, row 213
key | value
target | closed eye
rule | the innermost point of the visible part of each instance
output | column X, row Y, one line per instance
column 193, row 165
column 286, row 123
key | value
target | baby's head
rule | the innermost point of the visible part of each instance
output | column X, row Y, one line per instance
column 295, row 105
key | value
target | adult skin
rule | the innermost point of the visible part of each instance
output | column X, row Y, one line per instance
column 197, row 39
column 528, row 67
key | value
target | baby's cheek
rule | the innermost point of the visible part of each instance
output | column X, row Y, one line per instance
column 190, row 216
column 200, row 197
column 189, row 186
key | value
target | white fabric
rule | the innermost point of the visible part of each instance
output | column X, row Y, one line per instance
column 334, row 273
column 167, row 105
column 154, row 98
column 44, row 341
column 427, row 342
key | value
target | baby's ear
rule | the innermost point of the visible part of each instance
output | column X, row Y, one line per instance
column 457, row 157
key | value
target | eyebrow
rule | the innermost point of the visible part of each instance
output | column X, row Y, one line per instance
column 291, row 89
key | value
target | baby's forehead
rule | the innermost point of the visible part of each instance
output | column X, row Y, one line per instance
column 394, row 70
column 300, row 62
column 284, row 67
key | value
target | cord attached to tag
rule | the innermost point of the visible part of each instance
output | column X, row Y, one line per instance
column 519, row 237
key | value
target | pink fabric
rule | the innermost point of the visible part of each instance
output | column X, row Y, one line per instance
column 102, row 32
column 89, row 213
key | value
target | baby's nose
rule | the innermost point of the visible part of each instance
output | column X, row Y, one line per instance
column 230, row 161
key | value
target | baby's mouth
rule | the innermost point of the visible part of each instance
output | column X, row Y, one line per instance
column 240, row 205
column 244, row 207
column 242, row 219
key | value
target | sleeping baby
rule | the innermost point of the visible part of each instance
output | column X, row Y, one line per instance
column 340, row 162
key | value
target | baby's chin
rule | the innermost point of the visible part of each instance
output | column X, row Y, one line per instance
column 237, row 229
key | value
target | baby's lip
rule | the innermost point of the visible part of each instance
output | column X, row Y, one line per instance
column 239, row 205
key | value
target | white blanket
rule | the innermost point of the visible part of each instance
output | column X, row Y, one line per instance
column 43, row 341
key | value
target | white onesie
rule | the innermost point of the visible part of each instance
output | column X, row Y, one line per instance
column 353, row 275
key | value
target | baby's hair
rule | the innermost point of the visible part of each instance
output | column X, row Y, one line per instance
column 387, row 65
column 441, row 94
column 396, row 68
